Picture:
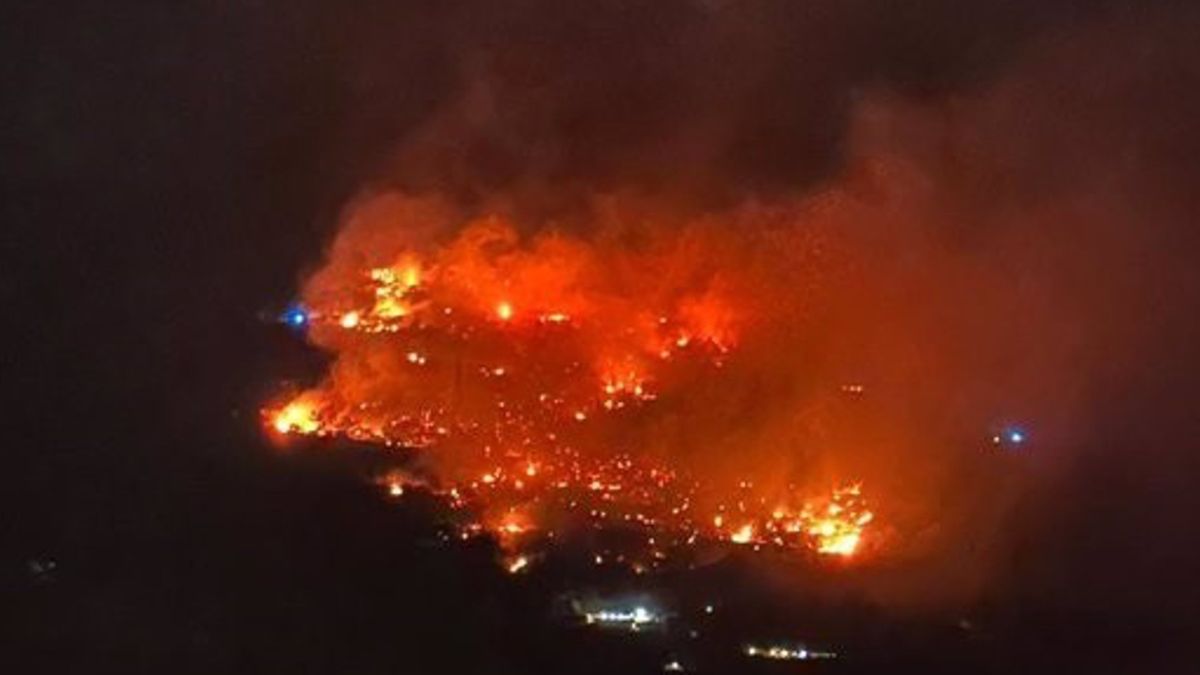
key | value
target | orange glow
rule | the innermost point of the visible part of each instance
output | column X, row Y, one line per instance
column 504, row 311
column 410, row 276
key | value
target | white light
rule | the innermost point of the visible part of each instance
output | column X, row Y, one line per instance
column 787, row 653
column 634, row 618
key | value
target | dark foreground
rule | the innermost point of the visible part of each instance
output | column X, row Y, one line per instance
column 294, row 565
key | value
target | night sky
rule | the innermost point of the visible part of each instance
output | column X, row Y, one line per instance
column 172, row 172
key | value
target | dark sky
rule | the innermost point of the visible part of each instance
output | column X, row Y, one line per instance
column 171, row 169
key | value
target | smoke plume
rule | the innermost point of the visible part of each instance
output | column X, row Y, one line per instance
column 885, row 240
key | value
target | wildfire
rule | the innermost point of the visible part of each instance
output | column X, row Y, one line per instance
column 535, row 424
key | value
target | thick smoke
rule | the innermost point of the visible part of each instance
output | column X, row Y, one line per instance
column 970, row 213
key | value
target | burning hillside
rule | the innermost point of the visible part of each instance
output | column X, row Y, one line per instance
column 856, row 370
column 553, row 382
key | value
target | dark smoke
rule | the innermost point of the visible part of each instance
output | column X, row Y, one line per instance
column 703, row 102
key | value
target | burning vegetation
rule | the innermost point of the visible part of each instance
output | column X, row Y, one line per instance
column 555, row 384
column 847, row 373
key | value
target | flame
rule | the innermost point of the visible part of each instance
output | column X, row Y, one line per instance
column 389, row 308
column 838, row 529
column 299, row 417
column 743, row 535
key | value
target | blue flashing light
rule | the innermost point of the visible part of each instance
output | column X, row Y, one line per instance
column 1011, row 436
column 295, row 316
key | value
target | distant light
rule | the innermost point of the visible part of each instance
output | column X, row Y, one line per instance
column 1010, row 436
column 786, row 653
column 709, row 609
column 349, row 320
column 295, row 316
column 633, row 619
column 673, row 667
column 504, row 311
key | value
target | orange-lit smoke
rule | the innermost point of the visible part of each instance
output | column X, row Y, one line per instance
column 637, row 377
column 705, row 334
column 819, row 373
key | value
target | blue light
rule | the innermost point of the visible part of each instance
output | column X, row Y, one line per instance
column 1016, row 436
column 295, row 316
